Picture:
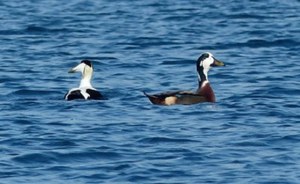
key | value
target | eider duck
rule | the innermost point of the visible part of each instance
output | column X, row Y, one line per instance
column 204, row 93
column 85, row 89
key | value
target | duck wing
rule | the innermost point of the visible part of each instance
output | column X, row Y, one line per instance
column 94, row 94
column 74, row 94
column 176, row 97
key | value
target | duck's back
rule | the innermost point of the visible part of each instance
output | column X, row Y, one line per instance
column 74, row 94
column 90, row 94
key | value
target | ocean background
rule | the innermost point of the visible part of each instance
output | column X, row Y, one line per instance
column 251, row 135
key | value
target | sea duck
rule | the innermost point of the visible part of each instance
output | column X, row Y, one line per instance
column 204, row 93
column 85, row 89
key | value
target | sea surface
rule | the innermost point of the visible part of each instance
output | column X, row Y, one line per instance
column 250, row 135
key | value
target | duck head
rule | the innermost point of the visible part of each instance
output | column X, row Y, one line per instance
column 86, row 69
column 204, row 63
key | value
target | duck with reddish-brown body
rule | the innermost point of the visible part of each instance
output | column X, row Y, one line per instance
column 204, row 93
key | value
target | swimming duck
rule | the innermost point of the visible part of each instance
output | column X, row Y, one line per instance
column 85, row 89
column 204, row 93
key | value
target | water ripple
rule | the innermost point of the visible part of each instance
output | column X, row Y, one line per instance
column 138, row 46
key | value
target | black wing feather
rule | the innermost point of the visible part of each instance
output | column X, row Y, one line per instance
column 76, row 94
column 95, row 95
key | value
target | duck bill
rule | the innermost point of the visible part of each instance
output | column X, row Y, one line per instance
column 77, row 68
column 218, row 63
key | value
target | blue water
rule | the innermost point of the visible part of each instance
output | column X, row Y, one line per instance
column 251, row 135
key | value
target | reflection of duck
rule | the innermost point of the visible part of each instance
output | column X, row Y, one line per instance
column 204, row 92
column 85, row 90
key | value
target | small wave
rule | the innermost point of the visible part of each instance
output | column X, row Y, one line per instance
column 247, row 16
column 11, row 32
column 152, row 140
column 177, row 61
column 258, row 43
column 35, row 158
column 53, row 157
column 61, row 143
column 28, row 92
column 87, row 155
column 250, row 144
column 40, row 29
column 275, row 43
column 288, row 138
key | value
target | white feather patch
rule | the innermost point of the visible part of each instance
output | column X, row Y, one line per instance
column 84, row 93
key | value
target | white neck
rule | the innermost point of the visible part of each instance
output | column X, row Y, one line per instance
column 85, row 83
column 86, row 78
column 203, row 75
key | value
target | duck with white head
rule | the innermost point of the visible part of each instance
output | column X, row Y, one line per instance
column 85, row 90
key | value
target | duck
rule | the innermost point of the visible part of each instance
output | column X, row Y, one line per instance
column 204, row 93
column 85, row 90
